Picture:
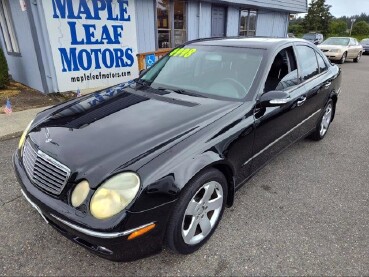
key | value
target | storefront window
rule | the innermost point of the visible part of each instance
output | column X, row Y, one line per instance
column 248, row 22
column 164, row 30
column 171, row 23
column 180, row 34
column 7, row 28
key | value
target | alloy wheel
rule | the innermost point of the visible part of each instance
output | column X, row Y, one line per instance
column 326, row 120
column 202, row 213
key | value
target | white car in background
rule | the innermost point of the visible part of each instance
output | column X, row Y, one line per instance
column 342, row 48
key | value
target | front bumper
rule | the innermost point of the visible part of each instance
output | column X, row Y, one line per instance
column 334, row 56
column 110, row 243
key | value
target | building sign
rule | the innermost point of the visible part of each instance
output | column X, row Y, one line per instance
column 93, row 42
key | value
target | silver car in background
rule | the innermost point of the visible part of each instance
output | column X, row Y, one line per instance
column 342, row 48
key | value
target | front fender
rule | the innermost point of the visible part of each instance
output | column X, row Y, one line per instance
column 160, row 187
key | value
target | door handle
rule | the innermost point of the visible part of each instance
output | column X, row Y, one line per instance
column 301, row 101
column 327, row 85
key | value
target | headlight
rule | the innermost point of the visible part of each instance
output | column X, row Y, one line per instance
column 80, row 193
column 114, row 195
column 335, row 50
column 23, row 137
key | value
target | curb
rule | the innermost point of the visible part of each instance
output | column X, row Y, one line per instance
column 11, row 136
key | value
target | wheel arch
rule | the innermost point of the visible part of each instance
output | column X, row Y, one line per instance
column 334, row 98
column 226, row 169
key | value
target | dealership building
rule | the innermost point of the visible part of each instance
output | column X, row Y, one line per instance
column 63, row 45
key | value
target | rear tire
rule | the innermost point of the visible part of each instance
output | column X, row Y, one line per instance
column 343, row 59
column 357, row 59
column 324, row 122
column 197, row 212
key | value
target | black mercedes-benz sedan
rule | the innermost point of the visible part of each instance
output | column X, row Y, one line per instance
column 154, row 162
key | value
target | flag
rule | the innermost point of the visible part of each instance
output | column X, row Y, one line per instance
column 8, row 107
column 78, row 93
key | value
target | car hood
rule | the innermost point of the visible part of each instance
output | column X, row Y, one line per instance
column 121, row 128
column 332, row 47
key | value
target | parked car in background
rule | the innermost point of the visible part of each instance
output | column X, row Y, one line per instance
column 156, row 161
column 315, row 38
column 291, row 35
column 365, row 44
column 342, row 48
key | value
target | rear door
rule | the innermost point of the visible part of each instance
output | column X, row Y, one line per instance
column 316, row 79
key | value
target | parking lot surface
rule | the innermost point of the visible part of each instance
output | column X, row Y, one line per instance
column 306, row 213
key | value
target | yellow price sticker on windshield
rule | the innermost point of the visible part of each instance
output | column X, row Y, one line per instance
column 182, row 52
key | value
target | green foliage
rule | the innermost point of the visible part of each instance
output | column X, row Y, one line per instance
column 360, row 28
column 4, row 70
column 295, row 28
column 318, row 17
column 338, row 27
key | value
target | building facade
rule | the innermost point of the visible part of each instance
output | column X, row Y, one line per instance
column 62, row 45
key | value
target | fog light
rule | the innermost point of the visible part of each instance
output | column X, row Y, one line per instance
column 80, row 193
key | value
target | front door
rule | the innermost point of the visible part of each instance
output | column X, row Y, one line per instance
column 218, row 16
column 278, row 127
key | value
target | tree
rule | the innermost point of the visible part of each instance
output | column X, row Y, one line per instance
column 338, row 27
column 295, row 28
column 318, row 17
column 361, row 28
column 4, row 70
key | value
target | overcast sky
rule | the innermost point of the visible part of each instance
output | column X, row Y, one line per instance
column 348, row 7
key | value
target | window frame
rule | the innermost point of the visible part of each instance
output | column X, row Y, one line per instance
column 8, row 22
column 300, row 66
column 327, row 65
column 249, row 10
column 289, row 54
column 171, row 23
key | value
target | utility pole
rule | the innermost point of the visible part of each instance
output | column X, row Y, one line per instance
column 352, row 24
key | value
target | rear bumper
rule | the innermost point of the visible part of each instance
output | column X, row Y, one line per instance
column 110, row 243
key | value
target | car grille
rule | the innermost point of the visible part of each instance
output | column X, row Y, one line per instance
column 44, row 171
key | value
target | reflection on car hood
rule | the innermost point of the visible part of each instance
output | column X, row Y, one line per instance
column 331, row 47
column 115, row 128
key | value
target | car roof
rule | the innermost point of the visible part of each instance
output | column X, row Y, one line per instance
column 251, row 42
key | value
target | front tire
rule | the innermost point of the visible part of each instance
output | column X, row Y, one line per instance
column 343, row 59
column 197, row 212
column 324, row 122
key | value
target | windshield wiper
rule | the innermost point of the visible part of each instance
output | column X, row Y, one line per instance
column 143, row 82
column 181, row 91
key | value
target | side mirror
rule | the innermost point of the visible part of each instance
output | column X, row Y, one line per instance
column 274, row 98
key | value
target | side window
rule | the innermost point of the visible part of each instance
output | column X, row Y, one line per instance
column 322, row 65
column 283, row 72
column 308, row 62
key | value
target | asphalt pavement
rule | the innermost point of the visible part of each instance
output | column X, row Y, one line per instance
column 306, row 213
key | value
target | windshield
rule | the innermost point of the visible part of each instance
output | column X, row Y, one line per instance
column 210, row 71
column 309, row 36
column 337, row 41
column 366, row 41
